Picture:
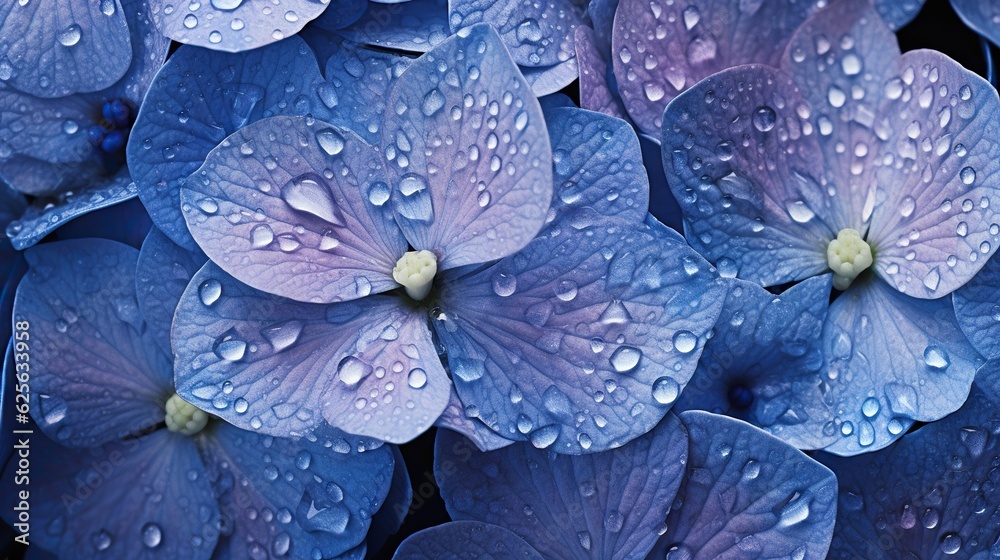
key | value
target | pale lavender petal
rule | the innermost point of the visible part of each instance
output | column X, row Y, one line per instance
column 468, row 152
column 296, row 207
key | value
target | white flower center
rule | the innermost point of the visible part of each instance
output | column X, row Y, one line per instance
column 184, row 417
column 848, row 256
column 415, row 271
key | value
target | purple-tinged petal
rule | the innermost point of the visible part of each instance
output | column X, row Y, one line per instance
column 279, row 367
column 45, row 216
column 234, row 25
column 53, row 49
column 932, row 494
column 305, row 498
column 162, row 273
column 296, row 207
column 840, row 60
column 415, row 26
column 937, row 222
column 607, row 505
column 583, row 340
column 96, row 374
column 395, row 507
column 977, row 308
column 595, row 91
column 536, row 33
column 897, row 13
column 744, row 175
column 340, row 14
column 149, row 51
column 661, row 48
column 358, row 83
column 762, row 364
column 198, row 99
column 546, row 80
column 456, row 418
column 465, row 540
column 892, row 359
column 748, row 495
column 980, row 16
column 597, row 166
column 140, row 498
column 468, row 152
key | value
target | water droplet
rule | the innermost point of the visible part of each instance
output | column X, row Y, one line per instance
column 151, row 535
column 968, row 175
column 352, row 370
column 794, row 512
column 261, row 236
column 870, row 407
column 951, row 543
column 764, row 118
column 303, row 460
column 190, row 21
column 432, row 103
column 331, row 141
column 529, row 31
column 416, row 202
column 625, row 359
column 417, row 378
column 800, row 212
column 566, row 290
column 545, row 436
column 283, row 335
column 851, row 64
column 665, row 390
column 691, row 17
column 231, row 350
column 685, row 341
column 936, row 358
column 101, row 540
column 504, row 285
column 70, row 36
column 379, row 193
column 226, row 4
column 210, row 291
column 308, row 193
column 614, row 522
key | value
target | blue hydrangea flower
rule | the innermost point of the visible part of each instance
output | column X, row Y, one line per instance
column 70, row 98
column 241, row 25
column 539, row 35
column 932, row 494
column 640, row 55
column 132, row 470
column 699, row 486
column 578, row 338
column 854, row 159
column 763, row 363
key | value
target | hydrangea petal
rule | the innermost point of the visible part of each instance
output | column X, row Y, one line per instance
column 600, row 505
column 602, row 15
column 161, row 276
column 358, row 83
column 938, row 223
column 54, row 49
column 660, row 48
column 977, row 307
column 892, row 359
column 979, row 16
column 232, row 342
column 456, row 418
column 840, row 60
column 748, row 495
column 234, row 25
column 597, row 165
column 149, row 51
column 296, row 207
column 744, row 176
column 581, row 341
column 767, row 348
column 465, row 540
column 415, row 26
column 198, row 99
column 395, row 508
column 96, row 373
column 43, row 217
column 546, row 80
column 139, row 498
column 897, row 13
column 52, row 130
column 595, row 92
column 301, row 498
column 927, row 496
column 340, row 14
column 484, row 193
column 536, row 33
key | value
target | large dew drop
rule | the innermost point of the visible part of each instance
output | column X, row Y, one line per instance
column 308, row 193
